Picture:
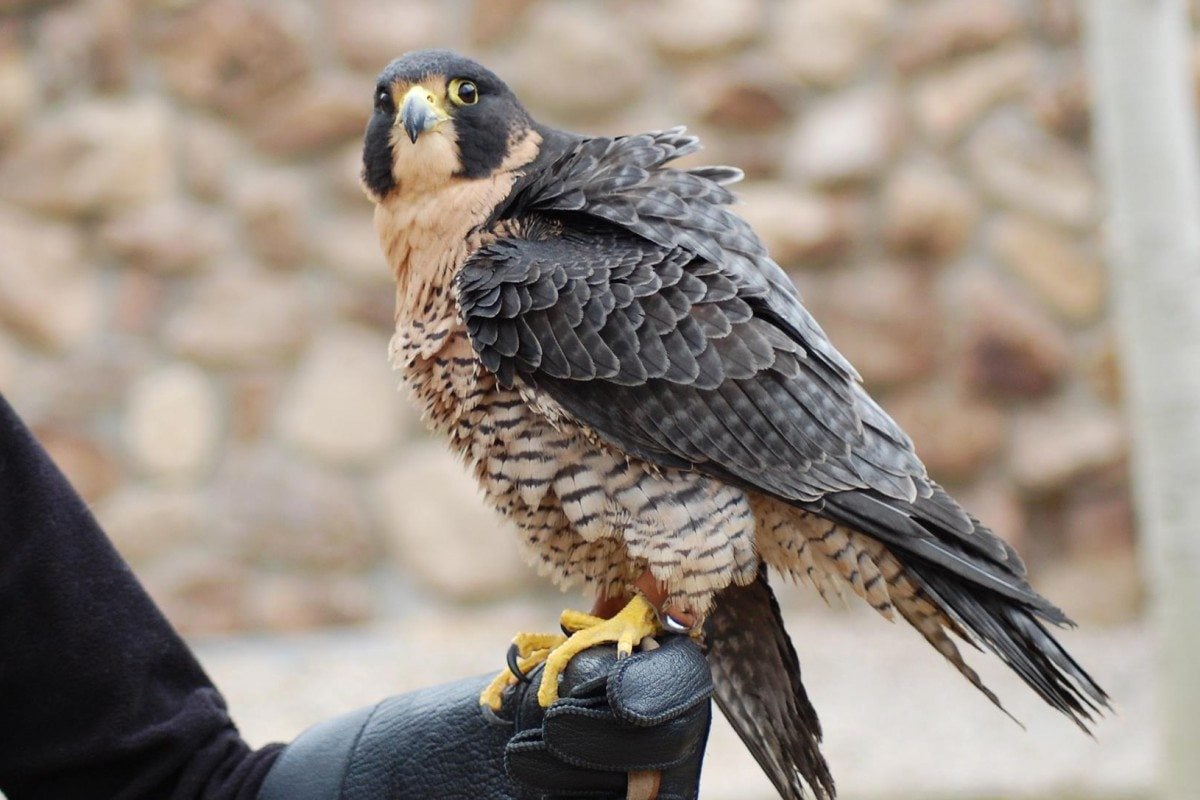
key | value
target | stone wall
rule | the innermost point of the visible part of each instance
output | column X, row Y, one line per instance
column 194, row 312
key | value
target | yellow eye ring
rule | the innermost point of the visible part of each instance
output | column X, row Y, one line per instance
column 463, row 92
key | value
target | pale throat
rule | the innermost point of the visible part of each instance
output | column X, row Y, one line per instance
column 431, row 224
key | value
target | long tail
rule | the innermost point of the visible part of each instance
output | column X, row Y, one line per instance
column 1018, row 637
column 966, row 581
column 758, row 689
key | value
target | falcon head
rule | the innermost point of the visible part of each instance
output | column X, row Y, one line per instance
column 438, row 117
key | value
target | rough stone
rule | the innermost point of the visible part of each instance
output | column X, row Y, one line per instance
column 148, row 523
column 826, row 42
column 1102, row 367
column 1065, row 276
column 48, row 293
column 66, row 35
column 348, row 245
column 343, row 405
column 258, row 240
column 1062, row 104
column 1026, row 169
column 238, row 316
column 169, row 238
column 312, row 117
column 1058, row 19
column 797, row 226
column 18, row 89
column 113, row 55
column 759, row 154
column 738, row 104
column 927, row 211
column 1057, row 444
column 231, row 56
column 87, row 44
column 172, row 423
column 92, row 157
column 283, row 513
column 956, row 434
column 343, row 176
column 370, row 33
column 253, row 397
column 87, row 463
column 936, row 31
column 1011, row 348
column 440, row 530
column 368, row 305
column 207, row 155
column 845, row 137
column 1098, row 515
column 81, row 385
column 702, row 28
column 947, row 103
column 199, row 591
column 137, row 303
column 496, row 20
column 275, row 207
column 883, row 317
column 592, row 62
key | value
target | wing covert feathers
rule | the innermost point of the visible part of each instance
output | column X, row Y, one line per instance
column 756, row 676
column 631, row 296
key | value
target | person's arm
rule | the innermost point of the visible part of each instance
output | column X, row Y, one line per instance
column 99, row 697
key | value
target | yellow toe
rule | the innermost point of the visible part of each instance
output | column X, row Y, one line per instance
column 532, row 649
column 626, row 629
column 530, row 642
column 575, row 621
column 492, row 695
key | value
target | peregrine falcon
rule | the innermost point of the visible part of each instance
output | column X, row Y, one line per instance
column 636, row 384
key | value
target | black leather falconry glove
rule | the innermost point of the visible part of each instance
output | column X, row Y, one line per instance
column 646, row 716
column 101, row 700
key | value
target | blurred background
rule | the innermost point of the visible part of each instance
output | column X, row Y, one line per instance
column 194, row 317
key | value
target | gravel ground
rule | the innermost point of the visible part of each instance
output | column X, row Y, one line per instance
column 899, row 723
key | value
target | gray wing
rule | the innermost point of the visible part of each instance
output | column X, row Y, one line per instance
column 668, row 358
column 648, row 311
column 622, row 180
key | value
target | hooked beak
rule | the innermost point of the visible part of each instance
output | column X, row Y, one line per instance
column 420, row 111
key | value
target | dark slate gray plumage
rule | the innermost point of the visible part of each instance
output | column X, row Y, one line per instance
column 647, row 310
column 756, row 681
column 636, row 384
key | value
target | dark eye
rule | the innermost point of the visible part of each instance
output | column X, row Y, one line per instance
column 464, row 92
column 383, row 100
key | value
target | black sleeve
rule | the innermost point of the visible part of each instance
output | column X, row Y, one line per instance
column 99, row 697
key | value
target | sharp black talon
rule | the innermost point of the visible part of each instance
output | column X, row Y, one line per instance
column 514, row 666
column 675, row 626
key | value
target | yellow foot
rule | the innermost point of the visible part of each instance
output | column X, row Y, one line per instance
column 630, row 625
column 532, row 649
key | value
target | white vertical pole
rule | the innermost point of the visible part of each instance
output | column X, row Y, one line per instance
column 1148, row 142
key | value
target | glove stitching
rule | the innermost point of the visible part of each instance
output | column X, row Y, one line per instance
column 583, row 762
column 615, row 683
column 586, row 764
